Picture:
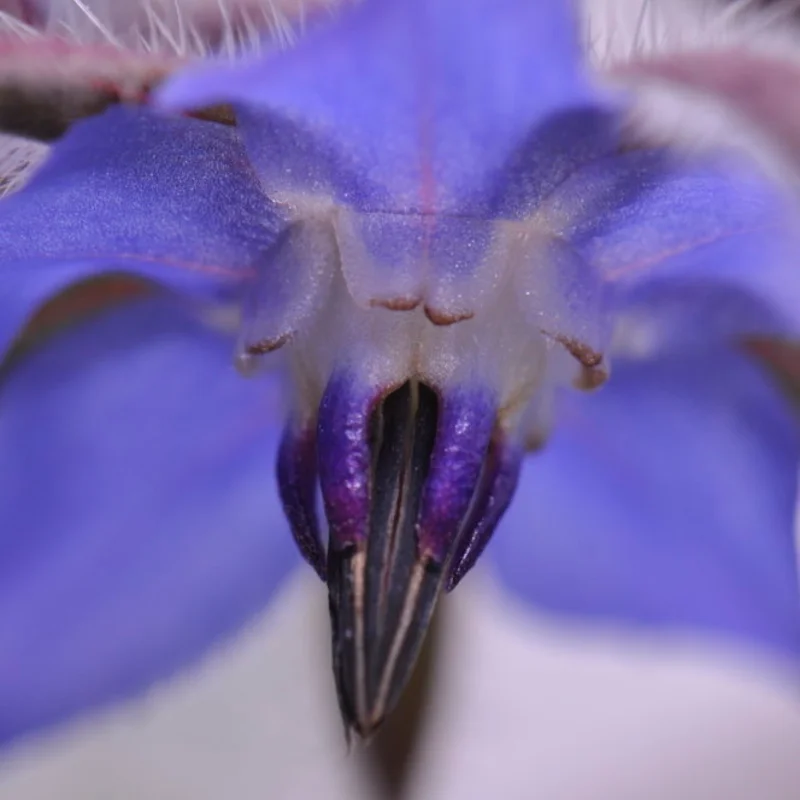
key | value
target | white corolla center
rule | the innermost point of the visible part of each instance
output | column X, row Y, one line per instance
column 447, row 302
column 496, row 348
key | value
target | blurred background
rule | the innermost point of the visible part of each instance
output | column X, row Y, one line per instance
column 512, row 707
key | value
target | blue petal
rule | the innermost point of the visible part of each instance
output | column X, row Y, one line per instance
column 400, row 104
column 689, row 249
column 665, row 500
column 170, row 200
column 139, row 522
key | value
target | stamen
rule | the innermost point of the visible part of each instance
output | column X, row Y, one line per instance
column 401, row 478
column 297, row 483
column 292, row 286
column 492, row 499
column 465, row 430
column 408, row 423
column 382, row 593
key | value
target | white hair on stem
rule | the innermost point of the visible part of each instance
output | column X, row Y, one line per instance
column 120, row 37
column 619, row 30
column 705, row 74
column 127, row 44
column 18, row 157
column 183, row 28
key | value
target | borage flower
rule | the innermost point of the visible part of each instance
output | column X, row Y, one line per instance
column 426, row 230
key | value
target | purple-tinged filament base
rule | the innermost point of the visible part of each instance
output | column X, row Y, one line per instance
column 492, row 499
column 345, row 458
column 297, row 486
column 465, row 428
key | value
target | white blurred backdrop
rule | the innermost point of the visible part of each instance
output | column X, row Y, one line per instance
column 521, row 708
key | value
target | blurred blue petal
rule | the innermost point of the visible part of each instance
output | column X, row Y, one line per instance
column 400, row 104
column 690, row 249
column 170, row 200
column 139, row 519
column 666, row 499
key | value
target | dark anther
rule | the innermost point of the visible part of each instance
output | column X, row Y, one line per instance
column 382, row 592
column 414, row 483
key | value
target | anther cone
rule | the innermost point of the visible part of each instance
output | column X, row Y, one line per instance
column 400, row 475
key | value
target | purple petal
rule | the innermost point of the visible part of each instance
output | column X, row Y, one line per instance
column 400, row 104
column 170, row 200
column 665, row 500
column 139, row 521
column 688, row 249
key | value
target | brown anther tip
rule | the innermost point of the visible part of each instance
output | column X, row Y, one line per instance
column 582, row 352
column 441, row 319
column 593, row 372
column 535, row 441
column 591, row 378
column 264, row 346
column 396, row 303
column 222, row 114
